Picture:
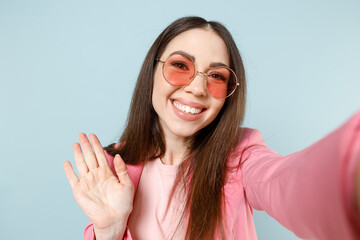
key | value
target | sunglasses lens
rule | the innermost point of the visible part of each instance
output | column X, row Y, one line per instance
column 179, row 69
column 221, row 82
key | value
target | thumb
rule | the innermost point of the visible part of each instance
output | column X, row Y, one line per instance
column 121, row 170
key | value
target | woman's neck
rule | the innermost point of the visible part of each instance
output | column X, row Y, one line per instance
column 175, row 149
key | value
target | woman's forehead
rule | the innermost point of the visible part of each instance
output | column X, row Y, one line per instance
column 201, row 43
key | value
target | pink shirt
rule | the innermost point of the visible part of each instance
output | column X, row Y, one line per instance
column 310, row 192
column 155, row 215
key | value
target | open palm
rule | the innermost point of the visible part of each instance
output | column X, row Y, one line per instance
column 105, row 198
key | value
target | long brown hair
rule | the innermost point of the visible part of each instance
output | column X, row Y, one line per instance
column 208, row 150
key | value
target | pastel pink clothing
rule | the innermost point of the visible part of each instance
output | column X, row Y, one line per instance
column 153, row 210
column 310, row 192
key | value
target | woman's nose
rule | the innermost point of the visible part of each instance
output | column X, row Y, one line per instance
column 198, row 85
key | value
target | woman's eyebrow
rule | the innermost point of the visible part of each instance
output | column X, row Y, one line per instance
column 218, row 64
column 185, row 53
column 212, row 65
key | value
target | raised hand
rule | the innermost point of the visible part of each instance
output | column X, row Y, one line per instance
column 105, row 198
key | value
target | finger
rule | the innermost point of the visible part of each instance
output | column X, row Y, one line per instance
column 79, row 160
column 99, row 151
column 88, row 153
column 121, row 170
column 70, row 174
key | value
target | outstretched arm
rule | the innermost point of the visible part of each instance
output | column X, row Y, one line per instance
column 314, row 192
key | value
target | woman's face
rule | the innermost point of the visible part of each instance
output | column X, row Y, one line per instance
column 185, row 110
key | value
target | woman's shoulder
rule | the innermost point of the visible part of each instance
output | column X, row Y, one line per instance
column 247, row 138
column 250, row 142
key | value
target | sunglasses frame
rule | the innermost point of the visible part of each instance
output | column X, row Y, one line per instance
column 196, row 72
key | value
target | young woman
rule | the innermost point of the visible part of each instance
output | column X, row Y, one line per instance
column 185, row 169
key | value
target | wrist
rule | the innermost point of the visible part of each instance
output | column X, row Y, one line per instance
column 107, row 234
column 110, row 233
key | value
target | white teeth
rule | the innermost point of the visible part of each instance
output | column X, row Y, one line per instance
column 186, row 109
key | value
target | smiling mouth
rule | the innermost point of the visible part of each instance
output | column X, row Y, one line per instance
column 187, row 109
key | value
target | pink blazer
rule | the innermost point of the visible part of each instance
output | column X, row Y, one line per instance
column 310, row 192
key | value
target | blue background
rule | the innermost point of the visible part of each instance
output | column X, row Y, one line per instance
column 70, row 66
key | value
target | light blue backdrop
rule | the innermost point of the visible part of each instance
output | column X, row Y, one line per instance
column 70, row 66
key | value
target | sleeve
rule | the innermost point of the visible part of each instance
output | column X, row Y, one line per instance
column 310, row 192
column 90, row 235
column 89, row 232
